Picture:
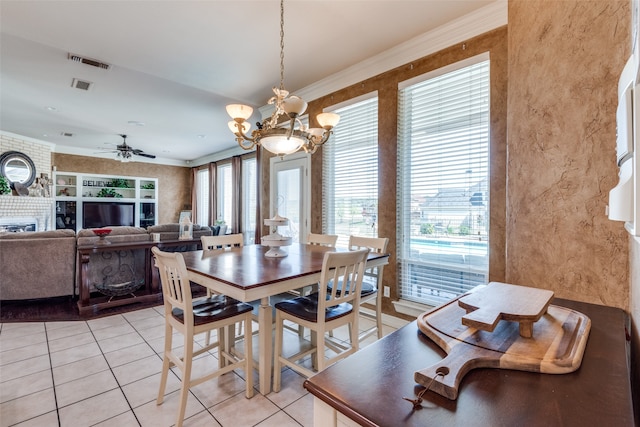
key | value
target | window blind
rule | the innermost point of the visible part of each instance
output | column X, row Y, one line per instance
column 202, row 188
column 350, row 172
column 443, row 193
column 249, row 207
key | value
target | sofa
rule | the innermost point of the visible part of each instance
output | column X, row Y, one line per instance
column 39, row 264
column 43, row 264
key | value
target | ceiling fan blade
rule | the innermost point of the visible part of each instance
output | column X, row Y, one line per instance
column 151, row 156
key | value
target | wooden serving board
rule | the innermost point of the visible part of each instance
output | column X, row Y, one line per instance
column 558, row 343
column 502, row 301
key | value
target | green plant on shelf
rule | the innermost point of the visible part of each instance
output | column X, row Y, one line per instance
column 108, row 192
column 4, row 185
column 149, row 186
column 119, row 183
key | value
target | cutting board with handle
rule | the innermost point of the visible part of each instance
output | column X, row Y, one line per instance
column 556, row 347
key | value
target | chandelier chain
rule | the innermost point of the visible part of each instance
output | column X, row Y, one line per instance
column 281, row 44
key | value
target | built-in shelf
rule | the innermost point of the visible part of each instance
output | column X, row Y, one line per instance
column 78, row 195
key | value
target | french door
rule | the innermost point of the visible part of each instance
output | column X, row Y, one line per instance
column 291, row 193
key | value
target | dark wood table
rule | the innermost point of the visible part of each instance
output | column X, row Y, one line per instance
column 149, row 292
column 367, row 387
column 247, row 275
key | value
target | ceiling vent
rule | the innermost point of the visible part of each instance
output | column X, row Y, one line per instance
column 81, row 84
column 69, row 134
column 89, row 61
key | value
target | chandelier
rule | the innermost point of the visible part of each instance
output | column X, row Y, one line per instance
column 290, row 136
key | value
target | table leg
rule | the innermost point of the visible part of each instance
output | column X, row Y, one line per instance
column 265, row 362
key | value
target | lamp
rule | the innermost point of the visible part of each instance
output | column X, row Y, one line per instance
column 124, row 156
column 293, row 135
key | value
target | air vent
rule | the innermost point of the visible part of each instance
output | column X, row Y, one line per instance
column 89, row 61
column 69, row 134
column 81, row 84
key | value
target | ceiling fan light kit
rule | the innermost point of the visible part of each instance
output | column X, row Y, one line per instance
column 124, row 152
column 283, row 133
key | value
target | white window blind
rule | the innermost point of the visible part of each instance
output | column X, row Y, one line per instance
column 443, row 193
column 350, row 172
column 225, row 193
column 202, row 194
column 249, row 184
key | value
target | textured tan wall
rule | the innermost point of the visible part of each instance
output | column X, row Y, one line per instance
column 174, row 182
column 564, row 61
column 386, row 84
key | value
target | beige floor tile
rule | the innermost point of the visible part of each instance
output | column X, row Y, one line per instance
column 147, row 322
column 152, row 415
column 27, row 407
column 68, row 331
column 23, row 353
column 106, row 322
column 129, row 354
column 302, row 410
column 12, row 342
column 279, row 419
column 74, row 354
column 70, row 341
column 240, row 411
column 136, row 315
column 120, row 342
column 57, row 325
column 139, row 369
column 113, row 331
column 25, row 385
column 127, row 419
column 23, row 368
column 22, row 329
column 85, row 387
column 202, row 419
column 146, row 390
column 79, row 369
column 219, row 389
column 291, row 389
column 50, row 419
column 153, row 332
column 94, row 410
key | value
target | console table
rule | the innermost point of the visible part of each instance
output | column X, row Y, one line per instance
column 367, row 388
column 150, row 291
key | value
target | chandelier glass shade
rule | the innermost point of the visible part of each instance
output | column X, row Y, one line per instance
column 283, row 133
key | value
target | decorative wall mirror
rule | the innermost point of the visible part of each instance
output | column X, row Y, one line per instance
column 17, row 167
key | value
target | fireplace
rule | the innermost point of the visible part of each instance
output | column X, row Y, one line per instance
column 17, row 210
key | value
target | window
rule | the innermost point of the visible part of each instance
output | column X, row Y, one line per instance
column 202, row 188
column 249, row 184
column 350, row 172
column 224, row 194
column 443, row 171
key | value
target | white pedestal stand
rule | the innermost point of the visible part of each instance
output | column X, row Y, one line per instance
column 275, row 240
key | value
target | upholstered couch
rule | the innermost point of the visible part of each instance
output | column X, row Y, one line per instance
column 38, row 264
column 42, row 264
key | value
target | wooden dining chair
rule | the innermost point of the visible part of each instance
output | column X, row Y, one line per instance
column 191, row 318
column 371, row 283
column 322, row 312
column 322, row 239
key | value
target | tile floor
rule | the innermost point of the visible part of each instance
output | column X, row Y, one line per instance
column 106, row 372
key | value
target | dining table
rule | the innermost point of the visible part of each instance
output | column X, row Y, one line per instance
column 246, row 274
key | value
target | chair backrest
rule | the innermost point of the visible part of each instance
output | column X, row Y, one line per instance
column 374, row 244
column 346, row 269
column 176, row 289
column 322, row 239
column 222, row 241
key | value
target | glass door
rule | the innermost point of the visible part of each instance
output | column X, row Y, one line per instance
column 290, row 193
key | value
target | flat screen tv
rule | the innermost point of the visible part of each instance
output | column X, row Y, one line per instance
column 106, row 214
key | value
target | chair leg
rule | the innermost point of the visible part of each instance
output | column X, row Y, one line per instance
column 248, row 355
column 165, row 363
column 379, row 321
column 221, row 348
column 277, row 367
column 186, row 379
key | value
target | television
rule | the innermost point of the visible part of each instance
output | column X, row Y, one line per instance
column 105, row 214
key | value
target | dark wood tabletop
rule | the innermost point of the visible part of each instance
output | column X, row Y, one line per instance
column 369, row 386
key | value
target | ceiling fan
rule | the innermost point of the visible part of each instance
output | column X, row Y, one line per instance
column 125, row 151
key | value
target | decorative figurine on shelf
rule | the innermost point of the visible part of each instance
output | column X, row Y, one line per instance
column 186, row 229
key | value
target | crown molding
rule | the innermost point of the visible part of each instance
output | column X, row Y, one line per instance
column 471, row 25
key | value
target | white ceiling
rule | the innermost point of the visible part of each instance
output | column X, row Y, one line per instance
column 175, row 64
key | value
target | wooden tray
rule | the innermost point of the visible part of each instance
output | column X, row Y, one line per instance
column 558, row 343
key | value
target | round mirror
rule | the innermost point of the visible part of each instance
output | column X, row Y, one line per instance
column 17, row 167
